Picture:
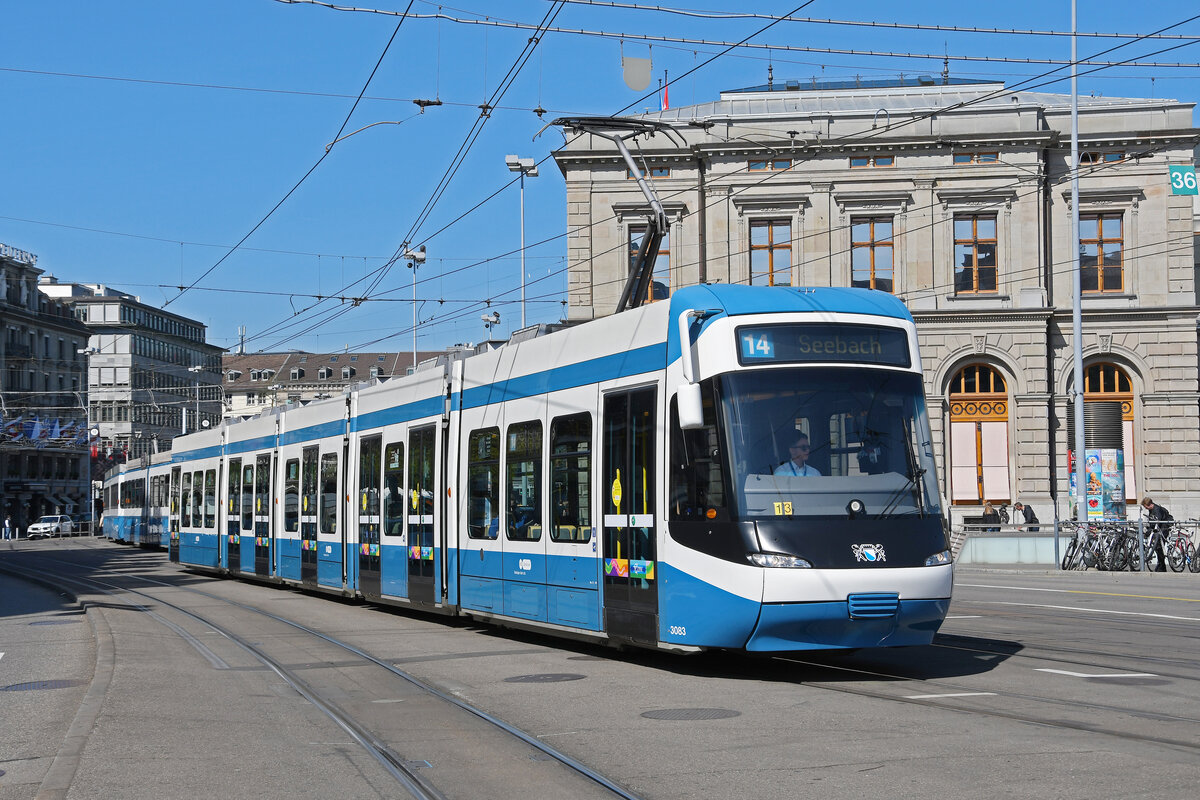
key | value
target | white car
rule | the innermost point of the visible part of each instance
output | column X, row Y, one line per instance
column 51, row 525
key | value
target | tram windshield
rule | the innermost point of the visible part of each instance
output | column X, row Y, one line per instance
column 808, row 442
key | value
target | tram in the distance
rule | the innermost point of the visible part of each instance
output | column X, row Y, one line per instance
column 739, row 468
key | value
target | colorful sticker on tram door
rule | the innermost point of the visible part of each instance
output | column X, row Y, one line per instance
column 616, row 567
column 641, row 569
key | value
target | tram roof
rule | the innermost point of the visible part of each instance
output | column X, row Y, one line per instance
column 739, row 300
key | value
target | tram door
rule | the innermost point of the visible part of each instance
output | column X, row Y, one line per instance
column 262, row 514
column 630, row 579
column 173, row 516
column 421, row 501
column 369, row 477
column 237, row 550
column 234, row 515
column 308, row 517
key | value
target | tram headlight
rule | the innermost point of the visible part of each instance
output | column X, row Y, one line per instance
column 938, row 559
column 779, row 560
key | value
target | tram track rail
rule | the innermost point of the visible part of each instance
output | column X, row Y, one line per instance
column 410, row 779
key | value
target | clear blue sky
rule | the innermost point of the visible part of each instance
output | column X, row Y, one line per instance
column 142, row 139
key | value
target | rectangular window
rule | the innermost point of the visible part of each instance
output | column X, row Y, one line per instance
column 861, row 162
column 651, row 172
column 523, row 488
column 974, row 253
column 262, row 486
column 329, row 492
column 308, row 483
column 871, row 252
column 210, row 498
column 368, row 476
column 770, row 165
column 291, row 495
column 235, row 497
column 198, row 499
column 483, row 481
column 393, row 489
column 571, row 478
column 1100, row 157
column 771, row 253
column 185, row 511
column 1101, row 252
column 248, row 497
column 976, row 158
column 660, row 281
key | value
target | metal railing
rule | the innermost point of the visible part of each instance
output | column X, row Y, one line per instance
column 1137, row 545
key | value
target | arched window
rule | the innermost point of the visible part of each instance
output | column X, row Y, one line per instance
column 978, row 436
column 1105, row 381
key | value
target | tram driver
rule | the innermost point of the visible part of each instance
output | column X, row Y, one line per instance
column 797, row 463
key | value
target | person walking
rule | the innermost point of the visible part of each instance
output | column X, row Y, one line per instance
column 1026, row 517
column 1159, row 517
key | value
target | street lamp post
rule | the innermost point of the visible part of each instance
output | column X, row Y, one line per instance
column 195, row 425
column 525, row 166
column 93, row 434
column 415, row 259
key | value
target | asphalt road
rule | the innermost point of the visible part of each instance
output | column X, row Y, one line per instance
column 1040, row 684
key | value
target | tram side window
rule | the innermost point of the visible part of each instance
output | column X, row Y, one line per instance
column 308, row 483
column 393, row 489
column 197, row 499
column 291, row 495
column 139, row 493
column 262, row 486
column 186, row 494
column 210, row 499
column 247, row 497
column 483, row 479
column 368, row 477
column 697, row 478
column 571, row 478
column 329, row 493
column 235, row 497
column 524, row 478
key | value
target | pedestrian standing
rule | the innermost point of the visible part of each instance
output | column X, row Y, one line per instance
column 1026, row 517
column 8, row 528
column 991, row 518
column 1159, row 517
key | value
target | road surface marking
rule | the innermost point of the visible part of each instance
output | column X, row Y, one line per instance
column 1080, row 591
column 1096, row 610
column 956, row 694
column 1099, row 674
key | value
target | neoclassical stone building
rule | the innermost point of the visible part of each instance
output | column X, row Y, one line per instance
column 955, row 196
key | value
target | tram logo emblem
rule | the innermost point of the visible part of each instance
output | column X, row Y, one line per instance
column 868, row 552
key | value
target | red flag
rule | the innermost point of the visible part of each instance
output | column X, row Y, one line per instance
column 666, row 103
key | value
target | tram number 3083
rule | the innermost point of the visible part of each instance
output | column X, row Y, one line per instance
column 678, row 630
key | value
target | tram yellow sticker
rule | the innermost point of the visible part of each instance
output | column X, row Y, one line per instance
column 415, row 497
column 783, row 509
column 364, row 501
column 305, row 504
column 616, row 491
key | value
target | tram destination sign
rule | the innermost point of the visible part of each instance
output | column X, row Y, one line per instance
column 823, row 342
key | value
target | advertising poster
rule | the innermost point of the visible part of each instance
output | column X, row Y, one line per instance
column 1112, row 478
column 1105, row 472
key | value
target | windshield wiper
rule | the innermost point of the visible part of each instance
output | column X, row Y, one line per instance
column 914, row 482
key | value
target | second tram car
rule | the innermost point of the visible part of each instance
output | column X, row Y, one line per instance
column 738, row 467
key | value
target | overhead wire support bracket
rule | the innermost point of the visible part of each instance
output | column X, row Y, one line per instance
column 617, row 130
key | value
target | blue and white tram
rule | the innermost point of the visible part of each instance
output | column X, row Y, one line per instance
column 135, row 495
column 633, row 480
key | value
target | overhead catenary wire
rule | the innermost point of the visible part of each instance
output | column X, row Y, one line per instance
column 889, row 127
column 679, row 40
column 311, row 169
